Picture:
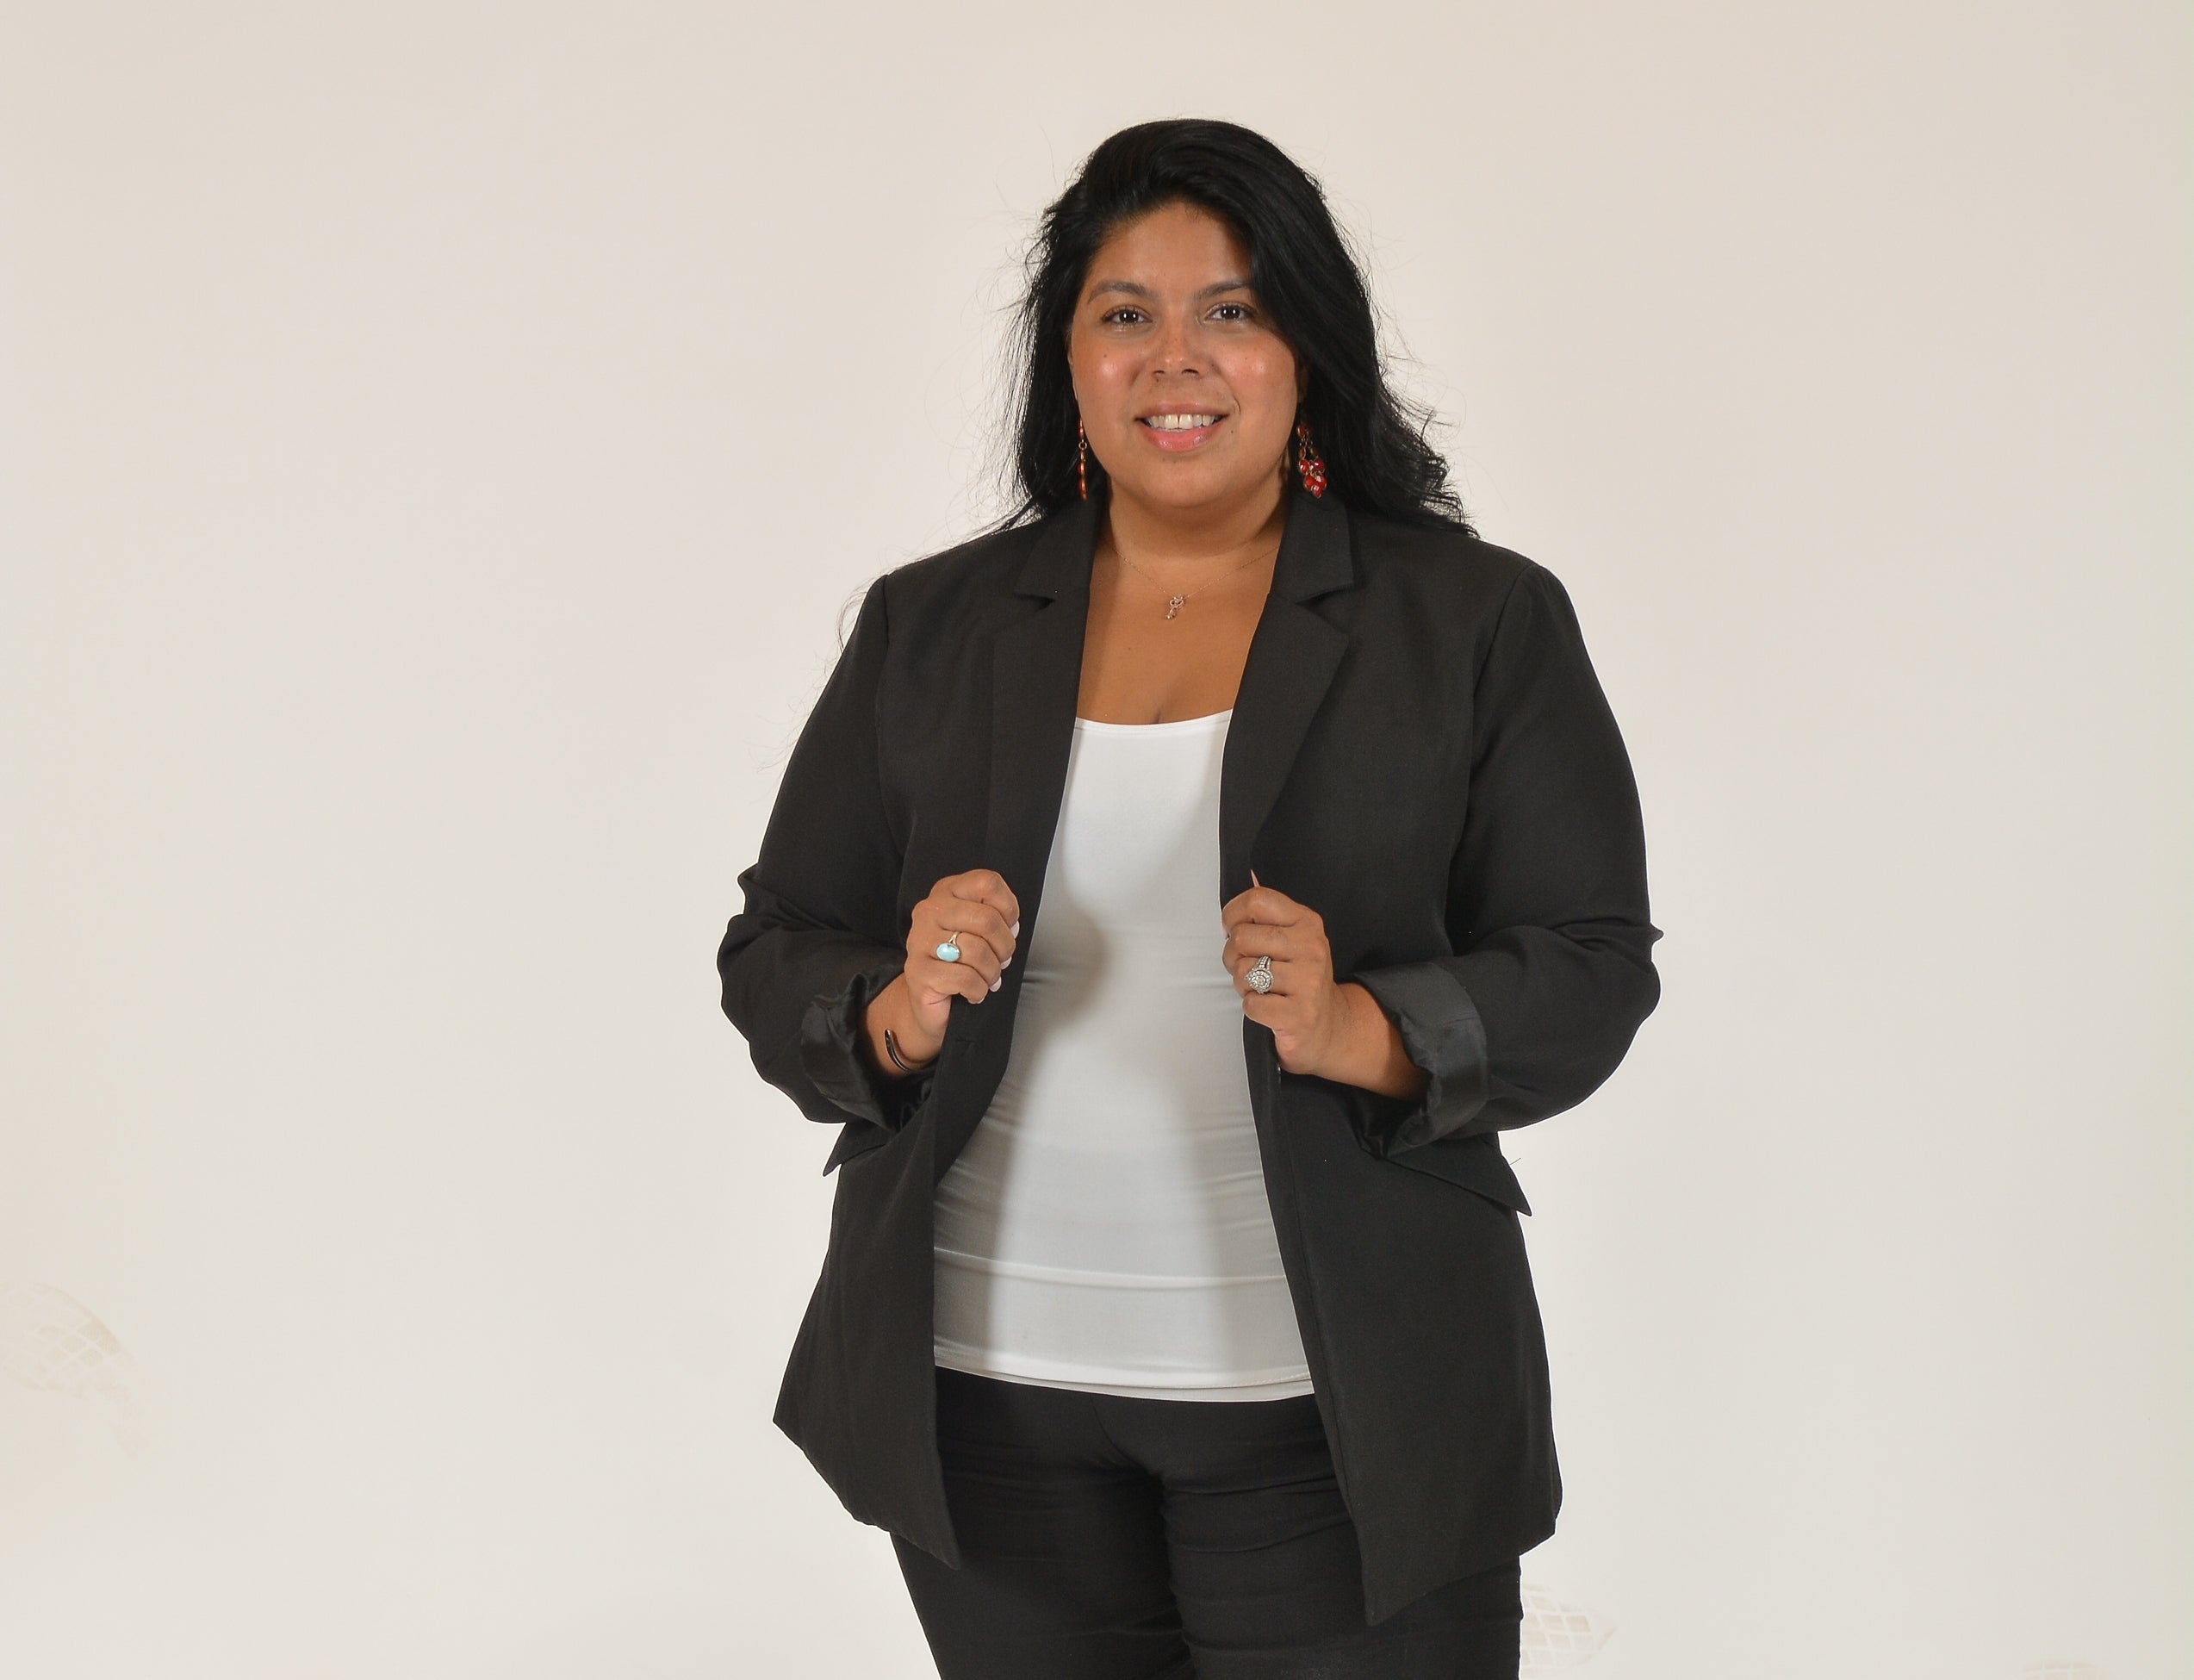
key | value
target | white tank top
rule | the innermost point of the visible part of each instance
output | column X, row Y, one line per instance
column 1106, row 1228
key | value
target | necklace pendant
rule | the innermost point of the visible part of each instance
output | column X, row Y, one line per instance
column 1174, row 605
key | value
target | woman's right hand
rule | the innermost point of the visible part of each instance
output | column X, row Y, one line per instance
column 979, row 912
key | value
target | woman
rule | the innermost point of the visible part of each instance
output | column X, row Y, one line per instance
column 1171, row 895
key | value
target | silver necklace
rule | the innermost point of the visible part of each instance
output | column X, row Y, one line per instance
column 1175, row 602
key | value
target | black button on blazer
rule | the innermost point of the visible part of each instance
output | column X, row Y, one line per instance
column 1420, row 752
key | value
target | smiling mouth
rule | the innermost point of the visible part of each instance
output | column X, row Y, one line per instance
column 1182, row 422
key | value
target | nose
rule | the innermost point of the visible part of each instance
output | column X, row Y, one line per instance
column 1178, row 348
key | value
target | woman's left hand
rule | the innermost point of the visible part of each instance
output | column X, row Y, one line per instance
column 1334, row 1029
column 1309, row 1015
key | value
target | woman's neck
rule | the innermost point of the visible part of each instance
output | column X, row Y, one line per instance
column 1174, row 538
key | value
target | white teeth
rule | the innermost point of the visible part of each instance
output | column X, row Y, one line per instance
column 1180, row 422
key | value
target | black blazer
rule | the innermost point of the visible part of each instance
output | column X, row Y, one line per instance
column 1420, row 752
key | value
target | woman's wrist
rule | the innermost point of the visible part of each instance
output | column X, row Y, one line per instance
column 1368, row 1051
column 904, row 1052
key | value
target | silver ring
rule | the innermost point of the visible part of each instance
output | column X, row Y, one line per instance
column 949, row 950
column 1260, row 974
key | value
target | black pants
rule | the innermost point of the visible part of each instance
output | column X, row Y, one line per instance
column 1109, row 1539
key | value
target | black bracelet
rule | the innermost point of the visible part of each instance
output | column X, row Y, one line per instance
column 892, row 1050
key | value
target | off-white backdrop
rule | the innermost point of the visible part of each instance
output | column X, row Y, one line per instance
column 438, row 443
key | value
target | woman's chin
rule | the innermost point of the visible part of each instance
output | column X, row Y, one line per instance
column 1193, row 486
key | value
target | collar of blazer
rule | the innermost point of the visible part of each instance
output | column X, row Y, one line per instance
column 1036, row 679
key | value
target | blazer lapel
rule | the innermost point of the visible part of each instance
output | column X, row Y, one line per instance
column 1292, row 657
column 1035, row 678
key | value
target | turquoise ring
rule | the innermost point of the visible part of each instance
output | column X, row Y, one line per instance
column 948, row 951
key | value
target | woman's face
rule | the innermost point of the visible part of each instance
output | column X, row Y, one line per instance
column 1187, row 394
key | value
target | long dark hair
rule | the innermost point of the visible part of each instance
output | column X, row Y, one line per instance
column 1373, row 443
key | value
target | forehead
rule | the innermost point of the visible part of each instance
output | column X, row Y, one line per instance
column 1179, row 246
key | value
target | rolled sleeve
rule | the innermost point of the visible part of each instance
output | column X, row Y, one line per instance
column 1442, row 1033
column 830, row 1054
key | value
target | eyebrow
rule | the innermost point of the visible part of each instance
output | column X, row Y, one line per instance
column 1134, row 290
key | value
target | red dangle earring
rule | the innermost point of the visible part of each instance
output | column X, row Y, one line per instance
column 1081, row 461
column 1306, row 461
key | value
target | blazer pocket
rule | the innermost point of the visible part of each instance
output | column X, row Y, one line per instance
column 855, row 1138
column 1475, row 1162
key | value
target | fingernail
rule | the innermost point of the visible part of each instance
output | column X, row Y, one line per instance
column 997, row 983
column 1008, row 963
column 1016, row 929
